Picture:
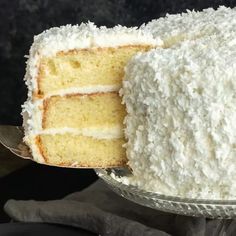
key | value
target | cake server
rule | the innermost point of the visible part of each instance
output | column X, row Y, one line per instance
column 12, row 138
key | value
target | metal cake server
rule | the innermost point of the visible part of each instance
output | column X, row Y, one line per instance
column 12, row 138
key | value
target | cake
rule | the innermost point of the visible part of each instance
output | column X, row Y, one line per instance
column 181, row 112
column 73, row 116
column 178, row 86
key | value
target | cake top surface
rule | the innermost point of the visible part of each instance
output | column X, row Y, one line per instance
column 88, row 35
column 192, row 25
column 181, row 118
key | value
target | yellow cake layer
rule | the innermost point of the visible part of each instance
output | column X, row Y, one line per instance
column 85, row 67
column 68, row 149
column 81, row 111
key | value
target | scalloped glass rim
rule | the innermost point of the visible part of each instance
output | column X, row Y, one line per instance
column 185, row 206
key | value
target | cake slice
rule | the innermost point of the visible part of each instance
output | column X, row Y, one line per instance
column 74, row 115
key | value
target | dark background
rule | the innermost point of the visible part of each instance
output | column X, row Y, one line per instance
column 20, row 20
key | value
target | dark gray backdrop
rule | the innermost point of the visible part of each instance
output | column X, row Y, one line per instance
column 21, row 19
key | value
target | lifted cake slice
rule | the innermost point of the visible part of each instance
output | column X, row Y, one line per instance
column 74, row 115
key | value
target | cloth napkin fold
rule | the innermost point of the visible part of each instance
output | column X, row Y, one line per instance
column 101, row 211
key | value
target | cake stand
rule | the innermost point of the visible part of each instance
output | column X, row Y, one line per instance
column 220, row 209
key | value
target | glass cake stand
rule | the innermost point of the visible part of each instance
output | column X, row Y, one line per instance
column 220, row 209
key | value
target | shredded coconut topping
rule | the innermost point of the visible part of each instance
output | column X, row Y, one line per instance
column 180, row 126
column 191, row 25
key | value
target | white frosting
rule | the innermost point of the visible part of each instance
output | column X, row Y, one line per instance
column 181, row 127
column 173, row 29
column 95, row 132
column 86, row 90
column 88, row 35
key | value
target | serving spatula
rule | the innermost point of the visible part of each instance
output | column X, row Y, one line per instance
column 12, row 138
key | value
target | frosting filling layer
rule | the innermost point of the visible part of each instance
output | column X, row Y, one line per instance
column 95, row 132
